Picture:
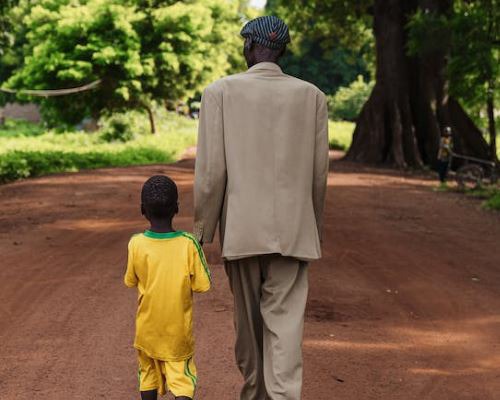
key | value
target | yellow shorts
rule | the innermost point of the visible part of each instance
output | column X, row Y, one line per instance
column 177, row 376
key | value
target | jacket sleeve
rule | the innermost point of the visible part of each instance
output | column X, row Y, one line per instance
column 210, row 169
column 321, row 162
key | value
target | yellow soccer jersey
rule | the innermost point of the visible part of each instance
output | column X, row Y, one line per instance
column 166, row 268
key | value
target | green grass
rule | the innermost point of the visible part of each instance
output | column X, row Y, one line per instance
column 28, row 152
column 340, row 134
column 16, row 128
column 493, row 203
column 489, row 194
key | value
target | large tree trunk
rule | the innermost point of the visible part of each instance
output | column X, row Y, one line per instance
column 400, row 124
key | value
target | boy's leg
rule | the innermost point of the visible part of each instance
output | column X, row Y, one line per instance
column 245, row 280
column 284, row 296
column 148, row 377
column 181, row 377
column 149, row 395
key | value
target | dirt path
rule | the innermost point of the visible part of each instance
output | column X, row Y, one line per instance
column 404, row 305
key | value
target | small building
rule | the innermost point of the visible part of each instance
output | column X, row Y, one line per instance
column 29, row 111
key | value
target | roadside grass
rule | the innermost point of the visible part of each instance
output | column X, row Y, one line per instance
column 493, row 203
column 17, row 127
column 340, row 134
column 489, row 194
column 27, row 152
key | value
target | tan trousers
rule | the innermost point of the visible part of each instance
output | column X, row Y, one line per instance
column 270, row 294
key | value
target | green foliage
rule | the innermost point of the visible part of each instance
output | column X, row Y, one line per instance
column 7, row 57
column 490, row 194
column 330, row 45
column 24, row 164
column 340, row 134
column 493, row 203
column 347, row 102
column 142, row 51
column 19, row 127
column 118, row 128
column 51, row 152
column 470, row 34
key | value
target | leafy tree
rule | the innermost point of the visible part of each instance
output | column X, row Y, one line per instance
column 470, row 32
column 348, row 101
column 400, row 123
column 143, row 51
column 7, row 59
column 320, row 54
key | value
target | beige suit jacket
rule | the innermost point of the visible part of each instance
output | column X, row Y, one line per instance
column 262, row 164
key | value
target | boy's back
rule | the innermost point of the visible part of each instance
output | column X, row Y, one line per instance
column 166, row 268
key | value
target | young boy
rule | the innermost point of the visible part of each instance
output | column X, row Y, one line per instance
column 167, row 266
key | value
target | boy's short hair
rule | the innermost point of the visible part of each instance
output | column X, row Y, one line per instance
column 159, row 197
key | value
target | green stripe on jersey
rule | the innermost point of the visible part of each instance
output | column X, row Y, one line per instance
column 200, row 254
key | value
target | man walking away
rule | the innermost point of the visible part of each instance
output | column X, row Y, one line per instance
column 261, row 172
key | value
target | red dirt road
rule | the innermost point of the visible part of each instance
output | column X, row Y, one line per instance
column 404, row 305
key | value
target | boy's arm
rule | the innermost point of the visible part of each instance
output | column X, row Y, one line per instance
column 130, row 278
column 321, row 161
column 210, row 167
column 201, row 278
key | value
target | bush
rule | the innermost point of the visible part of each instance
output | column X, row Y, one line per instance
column 13, row 166
column 23, row 164
column 489, row 193
column 51, row 152
column 347, row 102
column 118, row 128
column 340, row 134
column 493, row 203
column 19, row 127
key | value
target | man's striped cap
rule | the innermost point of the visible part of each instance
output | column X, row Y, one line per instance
column 269, row 31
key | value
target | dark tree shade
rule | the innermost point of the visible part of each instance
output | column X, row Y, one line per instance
column 401, row 122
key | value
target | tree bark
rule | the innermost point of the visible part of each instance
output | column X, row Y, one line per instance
column 151, row 118
column 402, row 120
column 490, row 106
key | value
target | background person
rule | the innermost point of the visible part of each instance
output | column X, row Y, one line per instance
column 444, row 155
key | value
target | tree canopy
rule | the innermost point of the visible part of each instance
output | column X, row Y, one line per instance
column 325, row 50
column 142, row 51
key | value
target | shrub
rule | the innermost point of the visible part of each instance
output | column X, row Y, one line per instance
column 340, row 134
column 23, row 164
column 347, row 102
column 493, row 203
column 117, row 128
column 13, row 166
column 18, row 127
column 26, row 156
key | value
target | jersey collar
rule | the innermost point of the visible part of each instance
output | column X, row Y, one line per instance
column 164, row 235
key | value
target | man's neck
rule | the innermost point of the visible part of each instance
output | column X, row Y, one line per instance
column 261, row 61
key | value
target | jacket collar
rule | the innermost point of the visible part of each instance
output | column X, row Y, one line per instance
column 265, row 66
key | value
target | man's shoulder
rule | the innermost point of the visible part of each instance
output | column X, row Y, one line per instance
column 306, row 85
column 216, row 87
